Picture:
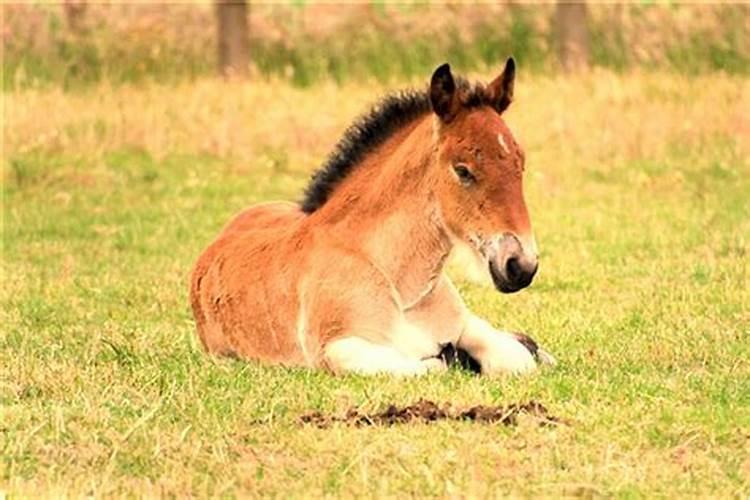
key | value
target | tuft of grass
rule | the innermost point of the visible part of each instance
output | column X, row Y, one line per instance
column 637, row 186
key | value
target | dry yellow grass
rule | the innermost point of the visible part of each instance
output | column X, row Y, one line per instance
column 595, row 117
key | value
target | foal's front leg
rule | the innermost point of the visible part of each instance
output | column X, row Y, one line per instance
column 497, row 351
column 355, row 354
column 444, row 313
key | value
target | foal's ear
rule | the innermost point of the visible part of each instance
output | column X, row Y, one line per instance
column 501, row 89
column 443, row 93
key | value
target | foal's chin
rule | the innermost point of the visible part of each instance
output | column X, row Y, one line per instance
column 465, row 262
column 470, row 263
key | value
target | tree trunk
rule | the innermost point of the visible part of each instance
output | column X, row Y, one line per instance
column 233, row 38
column 74, row 11
column 573, row 35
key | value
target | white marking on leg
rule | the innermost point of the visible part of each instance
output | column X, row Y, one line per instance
column 413, row 341
column 355, row 354
column 496, row 351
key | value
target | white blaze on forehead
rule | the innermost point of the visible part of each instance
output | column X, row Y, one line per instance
column 502, row 142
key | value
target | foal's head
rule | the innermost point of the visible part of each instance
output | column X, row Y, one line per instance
column 479, row 173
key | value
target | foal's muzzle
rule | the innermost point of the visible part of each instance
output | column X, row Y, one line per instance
column 511, row 267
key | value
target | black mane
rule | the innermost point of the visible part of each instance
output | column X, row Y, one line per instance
column 372, row 129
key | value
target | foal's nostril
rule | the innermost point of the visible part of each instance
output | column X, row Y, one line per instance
column 519, row 271
column 513, row 269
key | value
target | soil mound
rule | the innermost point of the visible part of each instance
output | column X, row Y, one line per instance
column 425, row 411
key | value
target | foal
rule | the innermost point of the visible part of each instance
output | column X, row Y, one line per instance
column 352, row 280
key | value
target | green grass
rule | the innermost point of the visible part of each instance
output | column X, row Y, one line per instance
column 642, row 296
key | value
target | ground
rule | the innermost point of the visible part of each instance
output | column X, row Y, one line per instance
column 639, row 192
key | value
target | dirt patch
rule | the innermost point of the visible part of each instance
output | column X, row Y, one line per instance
column 425, row 411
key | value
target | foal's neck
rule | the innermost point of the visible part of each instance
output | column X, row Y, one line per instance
column 387, row 209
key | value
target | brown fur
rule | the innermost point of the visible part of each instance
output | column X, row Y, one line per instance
column 280, row 285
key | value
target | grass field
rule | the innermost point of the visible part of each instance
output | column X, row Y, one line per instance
column 639, row 190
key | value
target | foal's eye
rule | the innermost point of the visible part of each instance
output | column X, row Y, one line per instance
column 464, row 174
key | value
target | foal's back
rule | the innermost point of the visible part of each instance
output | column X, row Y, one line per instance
column 237, row 274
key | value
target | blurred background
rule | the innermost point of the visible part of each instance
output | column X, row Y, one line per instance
column 77, row 43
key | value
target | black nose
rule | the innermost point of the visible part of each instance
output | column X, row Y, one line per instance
column 520, row 271
column 512, row 269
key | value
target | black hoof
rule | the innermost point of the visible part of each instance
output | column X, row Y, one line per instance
column 540, row 355
column 460, row 358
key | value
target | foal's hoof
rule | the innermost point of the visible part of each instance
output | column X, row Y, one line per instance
column 545, row 358
column 454, row 356
column 540, row 355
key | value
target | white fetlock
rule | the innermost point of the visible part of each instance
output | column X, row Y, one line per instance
column 355, row 354
column 496, row 351
column 505, row 354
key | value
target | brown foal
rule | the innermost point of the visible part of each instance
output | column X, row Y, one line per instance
column 352, row 279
